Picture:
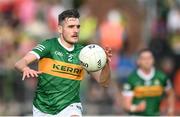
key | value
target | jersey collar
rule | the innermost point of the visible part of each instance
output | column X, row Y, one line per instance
column 68, row 49
column 146, row 76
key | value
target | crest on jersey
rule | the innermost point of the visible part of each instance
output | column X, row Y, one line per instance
column 156, row 82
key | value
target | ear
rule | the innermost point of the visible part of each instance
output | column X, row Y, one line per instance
column 60, row 29
column 138, row 62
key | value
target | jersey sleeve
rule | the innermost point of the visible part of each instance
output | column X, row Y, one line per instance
column 167, row 84
column 166, row 81
column 41, row 49
column 128, row 88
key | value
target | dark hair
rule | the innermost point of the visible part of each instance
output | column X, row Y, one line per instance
column 145, row 50
column 71, row 13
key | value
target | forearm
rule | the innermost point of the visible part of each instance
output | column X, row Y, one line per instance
column 130, row 107
column 171, row 100
column 104, row 78
column 135, row 108
column 127, row 103
column 21, row 64
column 25, row 61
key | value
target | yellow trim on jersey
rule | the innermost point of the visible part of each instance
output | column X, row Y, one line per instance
column 61, row 69
column 148, row 91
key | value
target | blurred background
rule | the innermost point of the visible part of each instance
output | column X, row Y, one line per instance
column 125, row 25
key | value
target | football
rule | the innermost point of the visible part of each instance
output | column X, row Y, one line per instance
column 92, row 57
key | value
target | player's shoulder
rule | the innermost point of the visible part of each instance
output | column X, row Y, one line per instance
column 133, row 76
column 48, row 42
column 133, row 73
column 160, row 74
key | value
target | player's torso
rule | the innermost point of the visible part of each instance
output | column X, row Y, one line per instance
column 59, row 84
column 150, row 91
column 149, row 88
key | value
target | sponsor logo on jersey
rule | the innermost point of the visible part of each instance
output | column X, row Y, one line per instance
column 148, row 91
column 61, row 69
column 66, row 69
column 157, row 82
column 58, row 53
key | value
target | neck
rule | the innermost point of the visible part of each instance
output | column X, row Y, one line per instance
column 65, row 43
column 146, row 71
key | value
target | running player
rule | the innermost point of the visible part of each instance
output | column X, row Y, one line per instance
column 59, row 73
column 145, row 87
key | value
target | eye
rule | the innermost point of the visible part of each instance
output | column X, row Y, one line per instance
column 71, row 26
column 78, row 26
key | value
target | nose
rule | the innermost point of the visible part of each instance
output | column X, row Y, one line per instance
column 76, row 29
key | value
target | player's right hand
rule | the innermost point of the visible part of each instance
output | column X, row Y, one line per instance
column 141, row 106
column 108, row 52
column 28, row 73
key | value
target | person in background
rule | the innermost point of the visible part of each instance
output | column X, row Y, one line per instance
column 59, row 71
column 145, row 88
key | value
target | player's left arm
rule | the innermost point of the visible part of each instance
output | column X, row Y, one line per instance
column 171, row 98
column 103, row 76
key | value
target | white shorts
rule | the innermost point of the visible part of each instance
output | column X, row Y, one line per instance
column 73, row 109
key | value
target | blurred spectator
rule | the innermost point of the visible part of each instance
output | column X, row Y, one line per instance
column 167, row 65
column 126, row 65
column 177, row 91
column 111, row 31
column 176, row 82
column 173, row 19
column 88, row 26
column 54, row 9
column 25, row 10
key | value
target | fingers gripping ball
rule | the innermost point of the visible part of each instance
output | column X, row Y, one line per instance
column 92, row 57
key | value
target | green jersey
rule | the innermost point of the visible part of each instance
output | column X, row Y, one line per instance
column 59, row 84
column 150, row 90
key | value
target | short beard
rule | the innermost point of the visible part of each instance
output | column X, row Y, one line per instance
column 67, row 40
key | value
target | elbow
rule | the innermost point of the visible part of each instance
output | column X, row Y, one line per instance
column 16, row 65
